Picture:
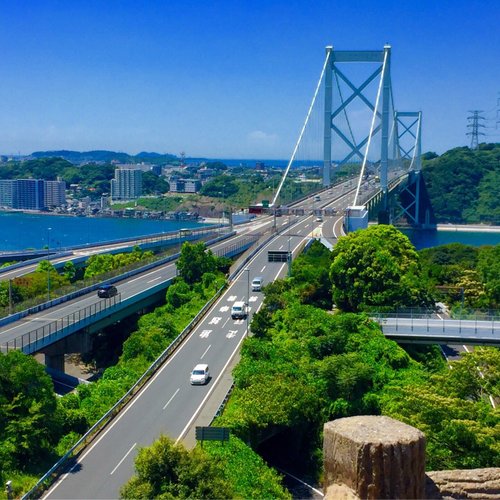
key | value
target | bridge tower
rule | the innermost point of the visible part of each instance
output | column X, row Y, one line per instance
column 335, row 58
column 414, row 201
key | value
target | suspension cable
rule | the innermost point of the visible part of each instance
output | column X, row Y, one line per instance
column 371, row 130
column 302, row 131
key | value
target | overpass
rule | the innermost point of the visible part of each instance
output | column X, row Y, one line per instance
column 423, row 329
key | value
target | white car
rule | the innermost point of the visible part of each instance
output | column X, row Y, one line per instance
column 239, row 310
column 200, row 375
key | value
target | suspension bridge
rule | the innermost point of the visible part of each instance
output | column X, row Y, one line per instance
column 364, row 132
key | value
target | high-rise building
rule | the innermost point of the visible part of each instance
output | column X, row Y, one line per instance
column 32, row 194
column 6, row 193
column 29, row 194
column 127, row 184
column 55, row 193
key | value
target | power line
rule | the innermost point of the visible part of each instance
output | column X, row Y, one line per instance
column 475, row 124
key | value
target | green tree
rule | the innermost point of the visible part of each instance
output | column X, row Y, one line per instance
column 29, row 420
column 376, row 267
column 154, row 184
column 194, row 261
column 166, row 470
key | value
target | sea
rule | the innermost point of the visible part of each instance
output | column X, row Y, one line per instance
column 23, row 231
column 427, row 239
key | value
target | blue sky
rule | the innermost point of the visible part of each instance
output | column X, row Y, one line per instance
column 229, row 79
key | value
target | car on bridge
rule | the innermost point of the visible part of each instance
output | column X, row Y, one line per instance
column 107, row 291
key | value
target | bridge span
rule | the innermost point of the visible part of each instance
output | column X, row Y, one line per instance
column 427, row 330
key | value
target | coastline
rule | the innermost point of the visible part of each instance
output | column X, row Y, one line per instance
column 468, row 228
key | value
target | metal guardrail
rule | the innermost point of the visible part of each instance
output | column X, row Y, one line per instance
column 78, row 318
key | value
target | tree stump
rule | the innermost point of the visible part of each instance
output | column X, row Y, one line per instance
column 374, row 457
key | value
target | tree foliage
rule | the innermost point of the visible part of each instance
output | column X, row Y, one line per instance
column 374, row 268
column 29, row 420
column 195, row 260
column 166, row 470
column 464, row 184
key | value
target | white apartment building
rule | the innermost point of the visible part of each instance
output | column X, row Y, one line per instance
column 127, row 184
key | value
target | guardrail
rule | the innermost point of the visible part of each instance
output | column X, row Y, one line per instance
column 47, row 479
column 78, row 319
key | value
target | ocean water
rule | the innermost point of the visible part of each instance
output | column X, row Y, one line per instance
column 427, row 239
column 20, row 231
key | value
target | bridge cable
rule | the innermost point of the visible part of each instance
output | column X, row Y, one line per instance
column 302, row 131
column 371, row 130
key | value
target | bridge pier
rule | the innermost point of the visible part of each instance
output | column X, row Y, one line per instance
column 80, row 342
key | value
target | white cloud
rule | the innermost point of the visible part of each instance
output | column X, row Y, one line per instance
column 261, row 138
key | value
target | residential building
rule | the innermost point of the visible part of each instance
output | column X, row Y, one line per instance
column 6, row 193
column 127, row 184
column 55, row 193
column 184, row 185
column 29, row 194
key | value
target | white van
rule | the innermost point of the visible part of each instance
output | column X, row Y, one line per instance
column 257, row 284
column 239, row 310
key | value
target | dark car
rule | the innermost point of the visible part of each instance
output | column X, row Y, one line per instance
column 106, row 291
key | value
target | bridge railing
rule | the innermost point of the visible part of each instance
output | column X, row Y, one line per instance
column 34, row 339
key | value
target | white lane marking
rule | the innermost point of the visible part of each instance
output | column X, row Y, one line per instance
column 173, row 396
column 142, row 276
column 126, row 455
column 206, row 350
column 466, row 348
column 439, row 317
column 307, row 225
column 239, row 321
column 284, row 223
column 224, row 309
column 262, row 270
column 154, row 279
column 231, row 333
column 225, row 323
column 280, row 247
column 205, row 333
column 232, row 298
column 253, row 298
column 299, row 231
column 215, row 320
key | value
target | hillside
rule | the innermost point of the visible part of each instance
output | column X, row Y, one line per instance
column 464, row 184
column 104, row 156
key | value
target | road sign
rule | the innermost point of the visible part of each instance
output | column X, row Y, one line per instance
column 277, row 256
column 212, row 433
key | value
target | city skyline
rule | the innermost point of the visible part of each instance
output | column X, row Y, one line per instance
column 230, row 79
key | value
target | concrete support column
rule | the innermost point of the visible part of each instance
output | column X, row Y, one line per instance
column 373, row 457
column 55, row 361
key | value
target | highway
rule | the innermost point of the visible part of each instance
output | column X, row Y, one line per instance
column 168, row 403
column 128, row 288
column 82, row 252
